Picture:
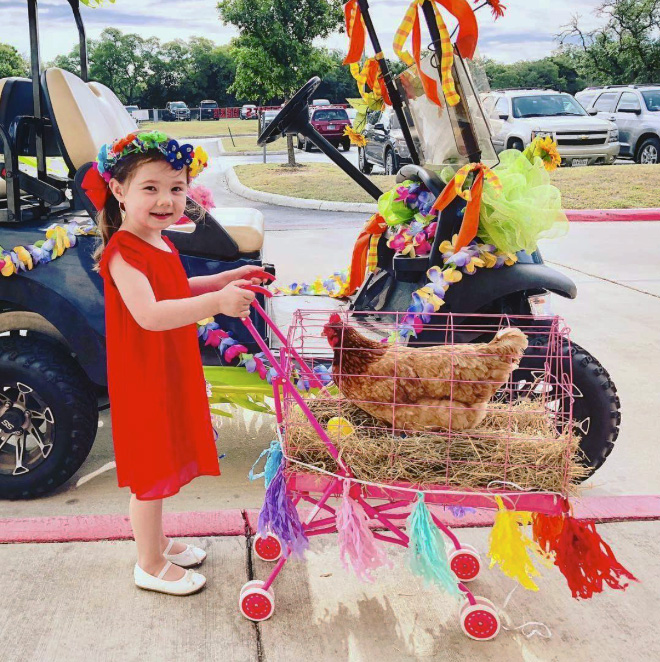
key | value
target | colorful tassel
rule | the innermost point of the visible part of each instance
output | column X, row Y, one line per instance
column 428, row 555
column 279, row 516
column 546, row 530
column 357, row 544
column 510, row 547
column 273, row 461
column 584, row 558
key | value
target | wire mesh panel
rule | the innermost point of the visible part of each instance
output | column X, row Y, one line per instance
column 474, row 402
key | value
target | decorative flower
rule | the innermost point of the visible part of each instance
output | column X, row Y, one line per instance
column 153, row 139
column 202, row 196
column 423, row 305
column 423, row 246
column 438, row 283
column 323, row 374
column 402, row 243
column 255, row 364
column 199, row 162
column 233, row 352
column 406, row 195
column 118, row 146
column 177, row 155
column 355, row 137
column 546, row 150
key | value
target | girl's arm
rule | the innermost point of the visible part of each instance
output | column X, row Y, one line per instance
column 204, row 284
column 152, row 315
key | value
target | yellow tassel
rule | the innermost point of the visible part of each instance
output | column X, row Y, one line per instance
column 510, row 547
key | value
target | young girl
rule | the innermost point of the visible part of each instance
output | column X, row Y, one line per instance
column 161, row 423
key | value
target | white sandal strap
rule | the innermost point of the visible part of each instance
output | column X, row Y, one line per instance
column 166, row 567
column 169, row 546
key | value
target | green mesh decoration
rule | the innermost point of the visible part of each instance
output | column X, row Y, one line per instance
column 392, row 210
column 528, row 208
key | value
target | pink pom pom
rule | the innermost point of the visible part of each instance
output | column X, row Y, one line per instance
column 356, row 540
column 202, row 196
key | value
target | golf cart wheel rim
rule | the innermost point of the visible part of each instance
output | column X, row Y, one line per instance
column 27, row 429
column 389, row 164
column 649, row 154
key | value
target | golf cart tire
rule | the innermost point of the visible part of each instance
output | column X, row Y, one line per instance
column 596, row 400
column 364, row 165
column 390, row 156
column 65, row 388
column 307, row 145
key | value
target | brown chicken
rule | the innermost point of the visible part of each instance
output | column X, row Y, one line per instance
column 429, row 388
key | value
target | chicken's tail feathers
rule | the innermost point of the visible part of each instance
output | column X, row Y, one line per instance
column 511, row 340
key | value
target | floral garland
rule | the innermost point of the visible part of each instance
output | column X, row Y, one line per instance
column 58, row 239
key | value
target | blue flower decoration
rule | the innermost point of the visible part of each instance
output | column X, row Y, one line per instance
column 324, row 375
column 177, row 155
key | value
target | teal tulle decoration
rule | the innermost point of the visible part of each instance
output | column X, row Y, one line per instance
column 428, row 556
column 273, row 461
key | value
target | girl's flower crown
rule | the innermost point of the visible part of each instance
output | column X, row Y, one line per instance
column 178, row 156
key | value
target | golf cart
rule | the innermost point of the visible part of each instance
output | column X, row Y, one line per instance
column 457, row 135
column 52, row 327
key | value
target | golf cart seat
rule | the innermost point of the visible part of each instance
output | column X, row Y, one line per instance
column 88, row 115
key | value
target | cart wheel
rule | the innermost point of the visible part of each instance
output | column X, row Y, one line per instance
column 267, row 548
column 480, row 621
column 256, row 583
column 465, row 563
column 255, row 603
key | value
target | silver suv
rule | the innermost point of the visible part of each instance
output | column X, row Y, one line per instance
column 636, row 111
column 519, row 116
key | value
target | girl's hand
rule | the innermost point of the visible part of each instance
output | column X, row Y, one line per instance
column 234, row 301
column 238, row 274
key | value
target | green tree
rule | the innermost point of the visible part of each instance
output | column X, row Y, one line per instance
column 12, row 63
column 212, row 71
column 625, row 49
column 274, row 52
column 557, row 72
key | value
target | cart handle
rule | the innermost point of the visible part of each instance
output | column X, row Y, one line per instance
column 260, row 273
column 258, row 289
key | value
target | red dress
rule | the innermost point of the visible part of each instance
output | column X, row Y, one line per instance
column 161, row 422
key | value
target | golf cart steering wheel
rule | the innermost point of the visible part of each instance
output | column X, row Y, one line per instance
column 289, row 114
column 432, row 182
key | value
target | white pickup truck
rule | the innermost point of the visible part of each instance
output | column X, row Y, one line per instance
column 518, row 116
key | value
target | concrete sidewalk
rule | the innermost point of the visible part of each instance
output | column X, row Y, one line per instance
column 74, row 602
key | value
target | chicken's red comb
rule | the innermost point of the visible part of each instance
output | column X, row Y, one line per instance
column 334, row 319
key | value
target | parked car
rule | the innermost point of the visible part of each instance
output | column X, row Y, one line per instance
column 352, row 114
column 320, row 102
column 267, row 116
column 330, row 122
column 131, row 109
column 208, row 110
column 518, row 116
column 248, row 112
column 176, row 111
column 385, row 146
column 635, row 110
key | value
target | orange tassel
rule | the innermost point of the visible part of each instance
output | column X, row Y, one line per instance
column 546, row 530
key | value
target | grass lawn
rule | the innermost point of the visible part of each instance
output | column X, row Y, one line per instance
column 249, row 144
column 595, row 187
column 206, row 129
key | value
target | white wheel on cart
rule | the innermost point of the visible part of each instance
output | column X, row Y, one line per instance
column 255, row 603
column 465, row 563
column 267, row 548
column 480, row 621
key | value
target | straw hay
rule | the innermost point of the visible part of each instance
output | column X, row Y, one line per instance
column 517, row 443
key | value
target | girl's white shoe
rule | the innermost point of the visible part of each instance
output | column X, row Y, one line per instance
column 191, row 582
column 188, row 558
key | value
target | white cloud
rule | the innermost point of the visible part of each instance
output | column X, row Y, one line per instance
column 526, row 32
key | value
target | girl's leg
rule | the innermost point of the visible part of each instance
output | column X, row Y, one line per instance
column 147, row 522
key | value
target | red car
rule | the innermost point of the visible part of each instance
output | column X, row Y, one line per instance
column 330, row 122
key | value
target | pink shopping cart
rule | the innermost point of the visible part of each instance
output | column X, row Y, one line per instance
column 348, row 428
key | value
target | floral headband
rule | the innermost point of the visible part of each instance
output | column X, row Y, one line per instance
column 95, row 181
column 178, row 156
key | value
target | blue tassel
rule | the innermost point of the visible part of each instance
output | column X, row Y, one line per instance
column 428, row 556
column 278, row 515
column 273, row 461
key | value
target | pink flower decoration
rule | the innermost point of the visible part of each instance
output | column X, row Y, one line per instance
column 202, row 196
column 233, row 351
column 215, row 336
column 423, row 246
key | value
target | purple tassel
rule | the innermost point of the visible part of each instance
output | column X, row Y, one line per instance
column 279, row 516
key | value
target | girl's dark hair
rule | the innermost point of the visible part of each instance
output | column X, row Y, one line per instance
column 109, row 219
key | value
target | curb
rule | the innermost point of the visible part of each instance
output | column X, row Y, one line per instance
column 222, row 150
column 94, row 528
column 574, row 215
column 239, row 188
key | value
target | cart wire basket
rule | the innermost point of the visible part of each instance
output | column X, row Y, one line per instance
column 381, row 433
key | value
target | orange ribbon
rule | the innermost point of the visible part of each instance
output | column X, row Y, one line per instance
column 470, row 224
column 374, row 227
column 468, row 30
column 355, row 30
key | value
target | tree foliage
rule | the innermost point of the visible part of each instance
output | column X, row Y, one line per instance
column 12, row 63
column 625, row 49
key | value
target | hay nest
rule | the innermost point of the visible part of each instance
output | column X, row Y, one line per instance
column 517, row 443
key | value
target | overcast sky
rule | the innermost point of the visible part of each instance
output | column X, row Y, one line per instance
column 527, row 31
